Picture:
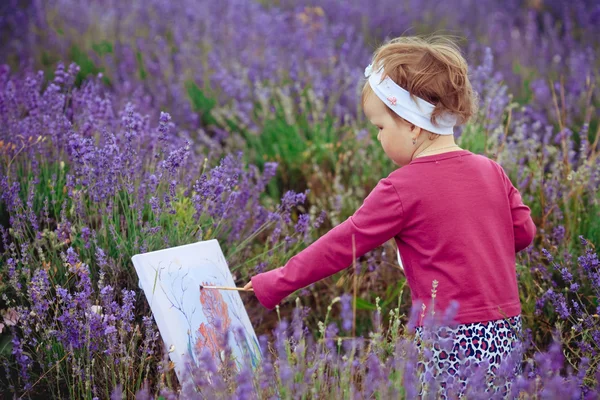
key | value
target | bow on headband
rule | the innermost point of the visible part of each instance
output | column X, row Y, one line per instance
column 399, row 100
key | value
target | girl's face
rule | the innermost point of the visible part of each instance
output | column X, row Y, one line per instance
column 395, row 135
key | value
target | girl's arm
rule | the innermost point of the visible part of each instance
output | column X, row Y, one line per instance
column 523, row 225
column 376, row 221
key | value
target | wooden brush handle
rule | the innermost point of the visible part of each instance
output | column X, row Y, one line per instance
column 228, row 288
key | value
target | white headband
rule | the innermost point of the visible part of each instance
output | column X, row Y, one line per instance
column 399, row 100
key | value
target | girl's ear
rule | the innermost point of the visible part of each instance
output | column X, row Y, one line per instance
column 416, row 131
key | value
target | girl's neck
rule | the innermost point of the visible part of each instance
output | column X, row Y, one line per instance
column 442, row 144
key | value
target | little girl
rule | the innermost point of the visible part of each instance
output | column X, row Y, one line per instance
column 454, row 215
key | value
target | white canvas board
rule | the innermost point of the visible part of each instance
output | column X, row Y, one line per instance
column 185, row 315
column 399, row 260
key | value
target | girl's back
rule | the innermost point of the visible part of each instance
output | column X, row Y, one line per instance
column 463, row 223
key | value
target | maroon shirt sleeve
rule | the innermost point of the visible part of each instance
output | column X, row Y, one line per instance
column 376, row 221
column 523, row 225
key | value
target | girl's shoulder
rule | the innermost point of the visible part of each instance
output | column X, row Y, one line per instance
column 433, row 168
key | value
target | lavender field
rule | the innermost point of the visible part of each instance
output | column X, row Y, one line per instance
column 133, row 126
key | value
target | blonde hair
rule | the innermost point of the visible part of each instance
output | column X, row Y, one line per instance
column 431, row 68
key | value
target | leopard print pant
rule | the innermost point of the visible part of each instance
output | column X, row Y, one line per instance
column 469, row 344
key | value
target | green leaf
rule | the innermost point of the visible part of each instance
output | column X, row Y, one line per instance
column 5, row 344
column 392, row 293
column 201, row 103
column 86, row 64
column 141, row 68
column 102, row 48
column 364, row 305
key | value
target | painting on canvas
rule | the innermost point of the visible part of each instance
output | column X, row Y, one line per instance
column 187, row 315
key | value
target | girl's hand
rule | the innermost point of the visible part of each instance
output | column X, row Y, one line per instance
column 248, row 285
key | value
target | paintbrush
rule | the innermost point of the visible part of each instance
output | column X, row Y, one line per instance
column 226, row 288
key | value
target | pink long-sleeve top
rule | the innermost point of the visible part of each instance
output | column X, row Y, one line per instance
column 456, row 218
